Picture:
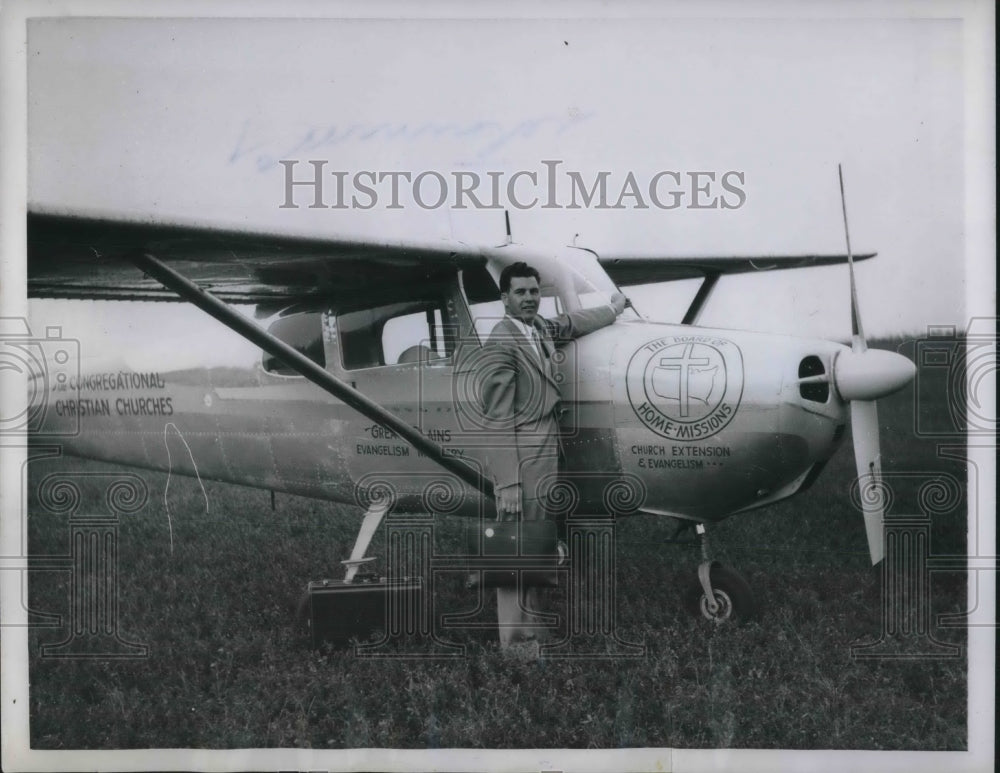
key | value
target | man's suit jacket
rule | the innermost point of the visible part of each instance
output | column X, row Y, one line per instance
column 520, row 391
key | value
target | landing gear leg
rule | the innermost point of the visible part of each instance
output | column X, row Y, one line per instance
column 721, row 594
column 705, row 573
column 373, row 517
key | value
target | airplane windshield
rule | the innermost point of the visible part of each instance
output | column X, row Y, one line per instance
column 592, row 284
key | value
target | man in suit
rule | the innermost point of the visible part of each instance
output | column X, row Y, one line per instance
column 521, row 398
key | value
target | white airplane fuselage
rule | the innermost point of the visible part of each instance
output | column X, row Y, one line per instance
column 678, row 420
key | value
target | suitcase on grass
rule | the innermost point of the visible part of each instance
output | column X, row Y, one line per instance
column 370, row 608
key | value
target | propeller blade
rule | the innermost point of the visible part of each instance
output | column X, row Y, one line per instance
column 858, row 342
column 860, row 378
column 868, row 458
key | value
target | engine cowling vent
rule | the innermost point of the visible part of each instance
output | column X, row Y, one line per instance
column 814, row 391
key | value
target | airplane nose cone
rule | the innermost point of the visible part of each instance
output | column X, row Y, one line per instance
column 872, row 374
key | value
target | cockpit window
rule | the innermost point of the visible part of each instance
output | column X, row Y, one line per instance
column 395, row 334
column 304, row 333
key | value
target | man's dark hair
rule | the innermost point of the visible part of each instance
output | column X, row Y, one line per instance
column 521, row 270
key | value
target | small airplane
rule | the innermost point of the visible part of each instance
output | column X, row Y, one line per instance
column 694, row 423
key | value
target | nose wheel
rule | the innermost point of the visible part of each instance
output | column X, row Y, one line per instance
column 720, row 593
column 731, row 599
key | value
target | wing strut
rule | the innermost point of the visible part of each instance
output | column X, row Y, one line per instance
column 698, row 302
column 302, row 365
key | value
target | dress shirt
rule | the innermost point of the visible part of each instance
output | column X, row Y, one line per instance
column 531, row 334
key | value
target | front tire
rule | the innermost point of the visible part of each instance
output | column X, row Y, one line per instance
column 732, row 593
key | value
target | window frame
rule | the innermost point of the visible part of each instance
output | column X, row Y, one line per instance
column 408, row 306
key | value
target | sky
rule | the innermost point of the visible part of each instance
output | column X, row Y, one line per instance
column 187, row 119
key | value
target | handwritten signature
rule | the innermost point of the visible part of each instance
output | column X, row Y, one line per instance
column 487, row 136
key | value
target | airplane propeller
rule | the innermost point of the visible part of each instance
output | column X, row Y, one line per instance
column 861, row 376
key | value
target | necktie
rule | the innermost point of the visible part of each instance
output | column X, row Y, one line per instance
column 537, row 342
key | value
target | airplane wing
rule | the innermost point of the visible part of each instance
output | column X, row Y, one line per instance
column 70, row 256
column 75, row 256
column 637, row 270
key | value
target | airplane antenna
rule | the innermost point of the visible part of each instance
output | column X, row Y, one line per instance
column 506, row 216
column 856, row 328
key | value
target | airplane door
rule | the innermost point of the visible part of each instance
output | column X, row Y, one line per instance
column 398, row 347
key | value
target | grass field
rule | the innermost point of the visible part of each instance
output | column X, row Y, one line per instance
column 228, row 668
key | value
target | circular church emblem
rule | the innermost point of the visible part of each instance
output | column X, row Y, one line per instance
column 686, row 387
